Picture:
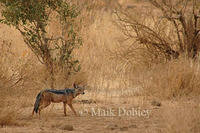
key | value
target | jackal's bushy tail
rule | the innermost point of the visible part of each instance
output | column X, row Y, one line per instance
column 37, row 102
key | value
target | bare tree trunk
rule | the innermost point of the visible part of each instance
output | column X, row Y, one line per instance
column 52, row 78
column 49, row 65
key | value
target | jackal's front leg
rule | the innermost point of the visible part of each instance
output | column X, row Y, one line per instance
column 64, row 105
column 70, row 105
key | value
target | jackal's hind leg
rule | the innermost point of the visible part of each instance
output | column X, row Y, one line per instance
column 43, row 105
column 70, row 105
column 64, row 105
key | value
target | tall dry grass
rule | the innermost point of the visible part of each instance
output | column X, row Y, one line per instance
column 108, row 74
column 172, row 79
column 103, row 68
column 12, row 77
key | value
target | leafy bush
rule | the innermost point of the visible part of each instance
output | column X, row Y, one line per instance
column 35, row 19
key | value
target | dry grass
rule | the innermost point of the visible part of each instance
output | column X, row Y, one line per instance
column 182, row 117
column 175, row 78
column 9, row 117
column 110, row 79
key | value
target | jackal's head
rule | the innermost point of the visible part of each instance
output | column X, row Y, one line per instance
column 79, row 89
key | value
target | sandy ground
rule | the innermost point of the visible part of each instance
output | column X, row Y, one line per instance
column 91, row 121
column 97, row 116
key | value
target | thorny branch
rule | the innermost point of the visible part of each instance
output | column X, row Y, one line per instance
column 184, row 21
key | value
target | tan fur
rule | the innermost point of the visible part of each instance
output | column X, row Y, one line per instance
column 49, row 97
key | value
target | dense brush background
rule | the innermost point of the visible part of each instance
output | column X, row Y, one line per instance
column 112, row 69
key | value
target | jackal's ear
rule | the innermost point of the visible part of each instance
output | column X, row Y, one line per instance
column 75, row 85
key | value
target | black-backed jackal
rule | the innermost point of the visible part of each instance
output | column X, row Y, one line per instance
column 44, row 98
